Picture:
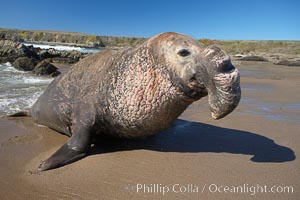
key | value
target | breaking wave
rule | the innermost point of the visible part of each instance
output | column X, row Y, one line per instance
column 65, row 48
column 19, row 89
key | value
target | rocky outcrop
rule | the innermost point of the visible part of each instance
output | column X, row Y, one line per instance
column 25, row 63
column 252, row 58
column 53, row 55
column 295, row 63
column 28, row 58
column 45, row 68
column 277, row 59
column 10, row 51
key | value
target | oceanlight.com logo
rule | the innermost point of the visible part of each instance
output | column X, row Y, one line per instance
column 250, row 189
column 160, row 189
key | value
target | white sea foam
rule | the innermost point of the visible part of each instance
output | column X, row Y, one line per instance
column 19, row 89
column 12, row 69
column 65, row 48
column 10, row 105
column 36, row 80
column 7, row 64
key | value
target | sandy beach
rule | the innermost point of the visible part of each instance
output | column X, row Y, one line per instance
column 254, row 149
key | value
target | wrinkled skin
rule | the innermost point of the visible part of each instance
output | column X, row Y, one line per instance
column 135, row 92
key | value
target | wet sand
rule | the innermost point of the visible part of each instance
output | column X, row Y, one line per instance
column 254, row 147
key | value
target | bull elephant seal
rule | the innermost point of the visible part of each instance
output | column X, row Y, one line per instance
column 134, row 92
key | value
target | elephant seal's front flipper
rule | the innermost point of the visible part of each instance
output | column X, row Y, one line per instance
column 64, row 155
column 75, row 149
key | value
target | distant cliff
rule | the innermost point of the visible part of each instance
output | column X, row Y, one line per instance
column 67, row 38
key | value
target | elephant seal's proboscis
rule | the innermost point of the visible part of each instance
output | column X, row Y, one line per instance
column 135, row 92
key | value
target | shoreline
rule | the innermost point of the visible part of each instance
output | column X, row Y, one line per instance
column 63, row 44
column 246, row 147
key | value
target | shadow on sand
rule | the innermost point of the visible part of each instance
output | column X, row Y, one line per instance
column 185, row 136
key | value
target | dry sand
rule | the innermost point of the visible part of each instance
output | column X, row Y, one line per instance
column 255, row 147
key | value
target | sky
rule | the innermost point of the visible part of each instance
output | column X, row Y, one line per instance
column 214, row 19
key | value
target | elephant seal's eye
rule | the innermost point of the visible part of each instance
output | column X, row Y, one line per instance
column 183, row 52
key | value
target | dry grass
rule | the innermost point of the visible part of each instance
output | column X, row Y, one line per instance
column 267, row 46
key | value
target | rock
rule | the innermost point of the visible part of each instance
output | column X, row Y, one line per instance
column 2, row 36
column 45, row 68
column 295, row 63
column 288, row 62
column 24, row 63
column 47, row 53
column 63, row 60
column 10, row 51
column 54, row 74
column 64, row 57
column 75, row 54
column 282, row 62
column 253, row 58
column 26, row 57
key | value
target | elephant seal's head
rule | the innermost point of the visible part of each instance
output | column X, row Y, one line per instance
column 200, row 71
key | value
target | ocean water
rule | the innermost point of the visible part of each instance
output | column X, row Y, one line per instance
column 19, row 89
column 66, row 48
